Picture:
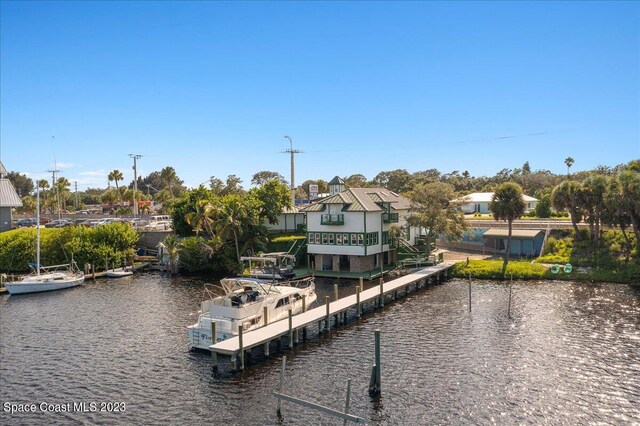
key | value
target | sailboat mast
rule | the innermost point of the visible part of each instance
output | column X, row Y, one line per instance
column 38, row 228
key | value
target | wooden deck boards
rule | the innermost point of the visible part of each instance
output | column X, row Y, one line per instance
column 279, row 328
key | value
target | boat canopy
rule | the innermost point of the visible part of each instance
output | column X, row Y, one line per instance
column 231, row 285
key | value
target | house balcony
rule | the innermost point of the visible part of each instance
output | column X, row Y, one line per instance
column 332, row 219
column 390, row 217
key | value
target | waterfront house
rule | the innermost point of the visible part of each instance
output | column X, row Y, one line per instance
column 8, row 200
column 524, row 242
column 349, row 230
column 478, row 202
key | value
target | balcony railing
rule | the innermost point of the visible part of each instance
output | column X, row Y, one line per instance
column 390, row 217
column 332, row 219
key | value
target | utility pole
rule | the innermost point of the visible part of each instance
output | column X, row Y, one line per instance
column 53, row 186
column 135, row 182
column 293, row 152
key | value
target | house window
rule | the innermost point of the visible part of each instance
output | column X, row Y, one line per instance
column 324, row 238
column 317, row 238
column 375, row 238
column 330, row 238
column 339, row 239
column 345, row 239
column 360, row 239
column 366, row 238
column 354, row 239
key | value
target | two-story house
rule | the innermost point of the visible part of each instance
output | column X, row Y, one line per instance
column 349, row 229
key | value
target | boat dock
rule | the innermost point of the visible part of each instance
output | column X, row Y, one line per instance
column 296, row 325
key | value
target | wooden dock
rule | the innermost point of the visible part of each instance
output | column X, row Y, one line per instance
column 321, row 315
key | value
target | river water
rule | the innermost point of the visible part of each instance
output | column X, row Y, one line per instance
column 570, row 354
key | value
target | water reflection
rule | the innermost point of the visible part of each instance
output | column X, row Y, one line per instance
column 568, row 355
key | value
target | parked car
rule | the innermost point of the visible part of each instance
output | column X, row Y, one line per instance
column 58, row 223
column 29, row 221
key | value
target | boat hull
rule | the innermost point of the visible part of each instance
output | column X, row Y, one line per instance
column 118, row 273
column 25, row 287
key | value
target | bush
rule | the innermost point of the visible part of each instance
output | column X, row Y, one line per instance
column 112, row 243
column 492, row 269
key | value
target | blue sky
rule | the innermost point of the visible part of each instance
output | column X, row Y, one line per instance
column 210, row 88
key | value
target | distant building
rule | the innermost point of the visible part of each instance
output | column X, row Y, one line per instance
column 478, row 202
column 349, row 229
column 8, row 200
column 290, row 220
column 524, row 242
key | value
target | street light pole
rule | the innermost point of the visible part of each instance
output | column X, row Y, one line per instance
column 135, row 182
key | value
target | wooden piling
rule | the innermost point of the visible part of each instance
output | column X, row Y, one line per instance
column 234, row 362
column 361, row 283
column 265, row 315
column 381, row 302
column 284, row 363
column 358, row 305
column 266, row 348
column 327, row 317
column 93, row 271
column 290, row 329
column 375, row 384
column 347, row 401
column 241, row 345
column 335, row 292
column 214, row 332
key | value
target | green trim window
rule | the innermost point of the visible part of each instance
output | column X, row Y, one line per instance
column 324, row 238
column 331, row 238
column 360, row 239
column 354, row 239
column 317, row 238
column 345, row 239
column 339, row 239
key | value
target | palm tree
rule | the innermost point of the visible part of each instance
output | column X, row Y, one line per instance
column 615, row 211
column 568, row 195
column 630, row 191
column 593, row 192
column 43, row 184
column 232, row 215
column 116, row 175
column 172, row 246
column 62, row 186
column 507, row 204
column 569, row 162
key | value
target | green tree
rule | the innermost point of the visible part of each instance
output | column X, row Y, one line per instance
column 568, row 196
column 116, row 175
column 630, row 191
column 354, row 181
column 615, row 211
column 21, row 183
column 398, row 180
column 507, row 204
column 569, row 162
column 168, row 175
column 543, row 207
column 265, row 176
column 272, row 198
column 433, row 210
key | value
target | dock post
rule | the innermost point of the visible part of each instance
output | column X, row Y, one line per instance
column 381, row 300
column 266, row 348
column 358, row 307
column 375, row 384
column 214, row 360
column 347, row 401
column 327, row 317
column 469, row 291
column 234, row 362
column 509, row 308
column 241, row 347
column 93, row 271
column 304, row 309
column 290, row 329
column 335, row 292
column 265, row 315
column 361, row 283
column 214, row 332
column 281, row 388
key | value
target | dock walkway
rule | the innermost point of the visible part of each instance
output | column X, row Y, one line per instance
column 264, row 335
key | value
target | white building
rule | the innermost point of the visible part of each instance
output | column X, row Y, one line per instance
column 478, row 202
column 349, row 229
column 8, row 200
column 290, row 220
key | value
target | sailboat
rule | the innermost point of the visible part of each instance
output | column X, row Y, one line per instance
column 47, row 278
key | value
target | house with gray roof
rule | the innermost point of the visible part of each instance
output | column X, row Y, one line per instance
column 349, row 230
column 478, row 202
column 8, row 200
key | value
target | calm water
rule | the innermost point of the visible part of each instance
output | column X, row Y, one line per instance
column 570, row 355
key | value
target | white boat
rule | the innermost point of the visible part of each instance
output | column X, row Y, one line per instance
column 43, row 278
column 269, row 266
column 119, row 272
column 243, row 304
